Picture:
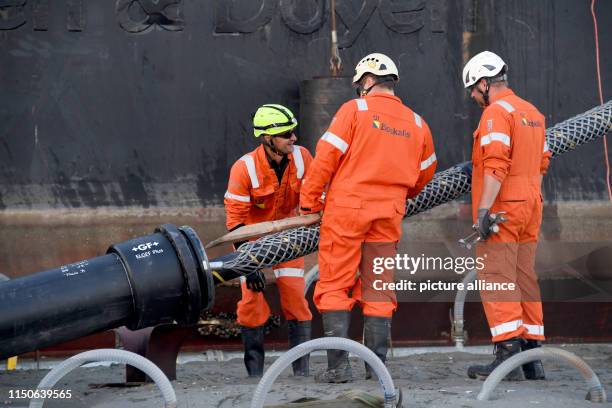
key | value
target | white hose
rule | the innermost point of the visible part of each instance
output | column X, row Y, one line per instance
column 114, row 355
column 596, row 392
column 458, row 322
column 311, row 277
column 325, row 343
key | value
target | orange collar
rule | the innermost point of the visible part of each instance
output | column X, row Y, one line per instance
column 500, row 95
column 383, row 95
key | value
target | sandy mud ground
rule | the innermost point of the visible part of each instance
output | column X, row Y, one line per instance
column 428, row 377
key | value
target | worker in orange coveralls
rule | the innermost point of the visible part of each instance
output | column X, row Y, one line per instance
column 375, row 155
column 510, row 155
column 264, row 185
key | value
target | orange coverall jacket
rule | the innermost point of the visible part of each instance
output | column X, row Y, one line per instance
column 376, row 148
column 255, row 195
column 510, row 145
column 376, row 154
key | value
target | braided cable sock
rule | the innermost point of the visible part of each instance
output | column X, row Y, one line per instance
column 452, row 183
column 445, row 186
column 274, row 249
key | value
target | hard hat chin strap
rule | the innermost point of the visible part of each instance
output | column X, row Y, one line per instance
column 361, row 91
column 485, row 94
column 271, row 146
column 489, row 81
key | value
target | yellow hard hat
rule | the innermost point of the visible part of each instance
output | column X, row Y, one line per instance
column 273, row 119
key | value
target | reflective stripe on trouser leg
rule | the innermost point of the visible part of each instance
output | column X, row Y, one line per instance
column 505, row 328
column 502, row 307
column 290, row 283
column 288, row 273
column 510, row 257
column 534, row 331
column 533, row 316
column 252, row 310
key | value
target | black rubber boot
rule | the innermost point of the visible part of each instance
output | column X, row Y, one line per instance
column 376, row 334
column 253, row 341
column 535, row 369
column 336, row 324
column 503, row 351
column 299, row 332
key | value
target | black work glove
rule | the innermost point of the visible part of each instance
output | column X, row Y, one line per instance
column 483, row 224
column 256, row 281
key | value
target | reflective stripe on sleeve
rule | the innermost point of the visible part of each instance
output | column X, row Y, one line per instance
column 335, row 141
column 428, row 162
column 250, row 163
column 506, row 327
column 298, row 160
column 417, row 120
column 362, row 105
column 244, row 199
column 495, row 137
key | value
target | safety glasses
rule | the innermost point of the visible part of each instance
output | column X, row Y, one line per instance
column 286, row 135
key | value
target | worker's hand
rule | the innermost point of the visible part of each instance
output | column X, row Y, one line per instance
column 256, row 281
column 483, row 224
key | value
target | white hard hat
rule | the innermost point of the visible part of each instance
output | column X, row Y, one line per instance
column 377, row 64
column 483, row 65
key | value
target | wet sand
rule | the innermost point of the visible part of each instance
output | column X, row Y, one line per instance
column 433, row 378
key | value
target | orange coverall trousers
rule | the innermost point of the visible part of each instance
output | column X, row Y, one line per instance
column 354, row 232
column 253, row 309
column 510, row 257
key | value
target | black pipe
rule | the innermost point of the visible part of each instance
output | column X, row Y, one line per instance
column 158, row 278
column 167, row 277
column 63, row 303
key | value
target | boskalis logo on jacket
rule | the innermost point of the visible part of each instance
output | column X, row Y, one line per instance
column 527, row 122
column 380, row 125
